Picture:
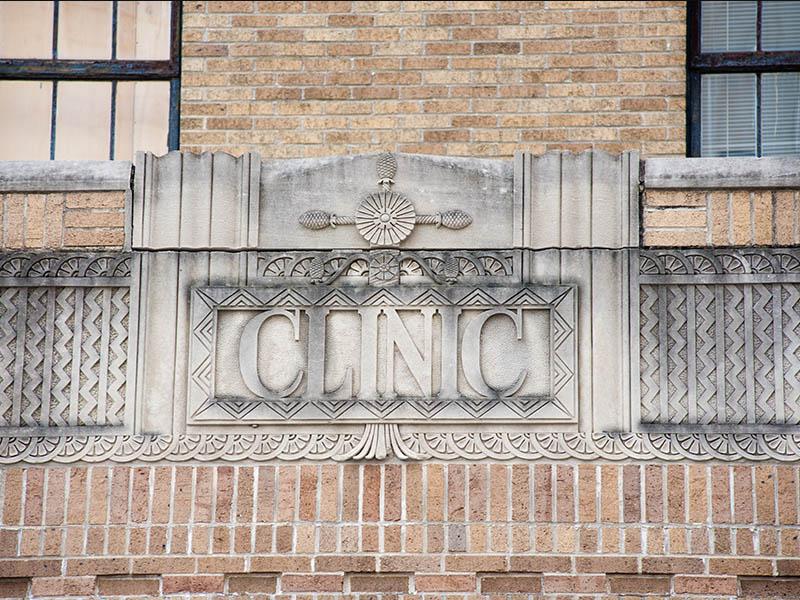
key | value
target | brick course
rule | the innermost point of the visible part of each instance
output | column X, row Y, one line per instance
column 62, row 220
column 78, row 531
column 721, row 217
column 478, row 78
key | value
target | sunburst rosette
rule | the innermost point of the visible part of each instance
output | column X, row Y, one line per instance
column 385, row 218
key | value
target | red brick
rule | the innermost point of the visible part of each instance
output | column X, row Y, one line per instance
column 345, row 563
column 312, row 583
column 196, row 584
column 34, row 496
column 772, row 587
column 456, row 492
column 696, row 584
column 13, row 588
column 392, row 492
column 351, row 488
column 473, row 563
column 418, row 563
column 740, row 566
column 653, row 492
column 672, row 564
column 97, row 566
column 62, row 586
column 510, row 583
column 543, row 493
column 29, row 567
column 159, row 565
column 128, row 586
column 445, row 583
column 253, row 584
column 478, row 492
column 280, row 564
column 789, row 567
column 582, row 584
column 631, row 494
column 606, row 564
column 540, row 564
column 638, row 584
column 565, row 493
column 379, row 583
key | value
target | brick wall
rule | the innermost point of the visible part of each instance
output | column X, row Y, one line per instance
column 62, row 220
column 721, row 217
column 483, row 78
column 562, row 529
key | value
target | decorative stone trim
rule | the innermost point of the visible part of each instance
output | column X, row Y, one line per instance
column 64, row 264
column 372, row 444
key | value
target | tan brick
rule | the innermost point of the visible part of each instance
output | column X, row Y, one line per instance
column 675, row 237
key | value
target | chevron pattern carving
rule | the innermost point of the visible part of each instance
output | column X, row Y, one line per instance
column 719, row 338
column 63, row 348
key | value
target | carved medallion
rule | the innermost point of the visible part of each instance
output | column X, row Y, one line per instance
column 385, row 218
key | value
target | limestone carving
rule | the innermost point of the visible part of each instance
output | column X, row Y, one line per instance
column 386, row 217
column 719, row 338
column 394, row 442
column 63, row 341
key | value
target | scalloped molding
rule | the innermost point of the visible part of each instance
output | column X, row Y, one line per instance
column 388, row 441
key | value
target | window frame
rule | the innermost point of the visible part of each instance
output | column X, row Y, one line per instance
column 111, row 70
column 699, row 64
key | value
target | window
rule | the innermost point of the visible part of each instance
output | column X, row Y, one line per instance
column 86, row 80
column 743, row 94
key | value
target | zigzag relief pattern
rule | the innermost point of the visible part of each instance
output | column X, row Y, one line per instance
column 54, row 344
column 740, row 362
column 390, row 440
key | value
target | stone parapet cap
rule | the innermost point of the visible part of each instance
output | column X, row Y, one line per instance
column 65, row 175
column 709, row 173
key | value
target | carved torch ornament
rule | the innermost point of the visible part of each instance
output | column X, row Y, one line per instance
column 386, row 217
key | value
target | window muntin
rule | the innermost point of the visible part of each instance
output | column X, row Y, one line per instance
column 743, row 66
column 112, row 71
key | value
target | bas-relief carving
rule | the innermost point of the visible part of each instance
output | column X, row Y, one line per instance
column 674, row 292
column 64, row 328
column 317, row 353
column 719, row 339
column 385, row 218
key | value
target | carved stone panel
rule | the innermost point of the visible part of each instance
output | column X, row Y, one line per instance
column 405, row 354
column 719, row 338
column 64, row 328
